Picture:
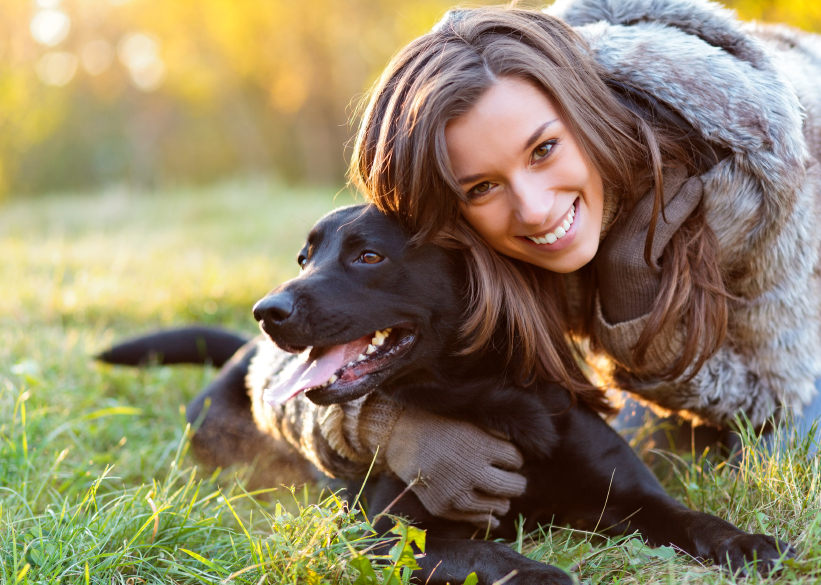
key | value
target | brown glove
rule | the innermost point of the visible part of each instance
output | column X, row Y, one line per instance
column 627, row 285
column 467, row 474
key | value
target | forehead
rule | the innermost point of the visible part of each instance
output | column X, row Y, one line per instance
column 501, row 121
column 357, row 224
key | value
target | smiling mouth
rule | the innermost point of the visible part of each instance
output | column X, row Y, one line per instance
column 560, row 231
column 342, row 366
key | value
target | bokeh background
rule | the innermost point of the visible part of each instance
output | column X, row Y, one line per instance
column 151, row 93
column 160, row 164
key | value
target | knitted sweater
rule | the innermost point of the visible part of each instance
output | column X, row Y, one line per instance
column 755, row 90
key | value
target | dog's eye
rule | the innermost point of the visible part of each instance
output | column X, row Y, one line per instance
column 370, row 258
column 302, row 260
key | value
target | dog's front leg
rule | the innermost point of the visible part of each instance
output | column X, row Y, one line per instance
column 451, row 561
column 605, row 484
column 450, row 554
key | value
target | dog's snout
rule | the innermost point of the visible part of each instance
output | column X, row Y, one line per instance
column 277, row 307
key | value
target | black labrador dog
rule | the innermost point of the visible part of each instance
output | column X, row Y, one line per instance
column 368, row 311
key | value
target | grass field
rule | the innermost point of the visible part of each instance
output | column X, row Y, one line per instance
column 95, row 482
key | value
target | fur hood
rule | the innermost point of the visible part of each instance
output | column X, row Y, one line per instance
column 696, row 57
column 743, row 87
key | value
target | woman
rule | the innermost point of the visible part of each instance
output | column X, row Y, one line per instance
column 641, row 175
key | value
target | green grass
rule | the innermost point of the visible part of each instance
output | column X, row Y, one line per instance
column 96, row 485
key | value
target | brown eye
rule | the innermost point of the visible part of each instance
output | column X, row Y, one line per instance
column 370, row 258
column 480, row 189
column 542, row 151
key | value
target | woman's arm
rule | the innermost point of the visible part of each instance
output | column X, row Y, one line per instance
column 457, row 470
column 772, row 354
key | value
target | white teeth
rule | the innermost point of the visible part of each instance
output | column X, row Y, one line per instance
column 361, row 357
column 351, row 364
column 378, row 339
column 330, row 381
column 559, row 232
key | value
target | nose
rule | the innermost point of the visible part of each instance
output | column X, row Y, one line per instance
column 276, row 307
column 531, row 201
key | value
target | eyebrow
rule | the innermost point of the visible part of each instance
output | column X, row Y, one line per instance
column 535, row 136
column 530, row 141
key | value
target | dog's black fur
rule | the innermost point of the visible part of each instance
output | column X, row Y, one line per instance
column 579, row 470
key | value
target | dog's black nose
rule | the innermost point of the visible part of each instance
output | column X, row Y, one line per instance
column 276, row 307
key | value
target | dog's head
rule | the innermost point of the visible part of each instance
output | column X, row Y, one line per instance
column 366, row 308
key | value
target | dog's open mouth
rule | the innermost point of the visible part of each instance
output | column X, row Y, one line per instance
column 340, row 366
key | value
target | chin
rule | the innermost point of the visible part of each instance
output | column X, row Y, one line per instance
column 573, row 259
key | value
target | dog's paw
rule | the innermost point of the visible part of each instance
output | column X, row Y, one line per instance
column 543, row 575
column 745, row 551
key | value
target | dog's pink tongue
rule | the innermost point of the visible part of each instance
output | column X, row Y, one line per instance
column 310, row 370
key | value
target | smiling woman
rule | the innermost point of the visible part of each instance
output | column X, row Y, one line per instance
column 531, row 195
column 540, row 153
column 643, row 177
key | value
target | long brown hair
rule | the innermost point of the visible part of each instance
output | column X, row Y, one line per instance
column 400, row 162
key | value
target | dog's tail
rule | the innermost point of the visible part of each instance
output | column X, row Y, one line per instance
column 187, row 345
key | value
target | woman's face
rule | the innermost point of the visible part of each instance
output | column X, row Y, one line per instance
column 533, row 194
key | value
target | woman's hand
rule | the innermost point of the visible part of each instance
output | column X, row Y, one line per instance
column 457, row 470
column 465, row 473
column 627, row 285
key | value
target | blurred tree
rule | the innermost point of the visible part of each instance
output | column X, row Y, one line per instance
column 95, row 91
column 150, row 91
column 805, row 14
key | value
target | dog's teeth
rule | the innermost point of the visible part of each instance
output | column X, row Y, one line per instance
column 370, row 349
column 361, row 357
column 332, row 379
column 388, row 331
column 350, row 364
column 378, row 340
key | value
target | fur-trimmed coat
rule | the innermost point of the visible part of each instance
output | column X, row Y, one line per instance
column 752, row 89
column 755, row 90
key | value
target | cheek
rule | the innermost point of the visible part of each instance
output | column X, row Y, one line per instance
column 487, row 220
column 595, row 209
